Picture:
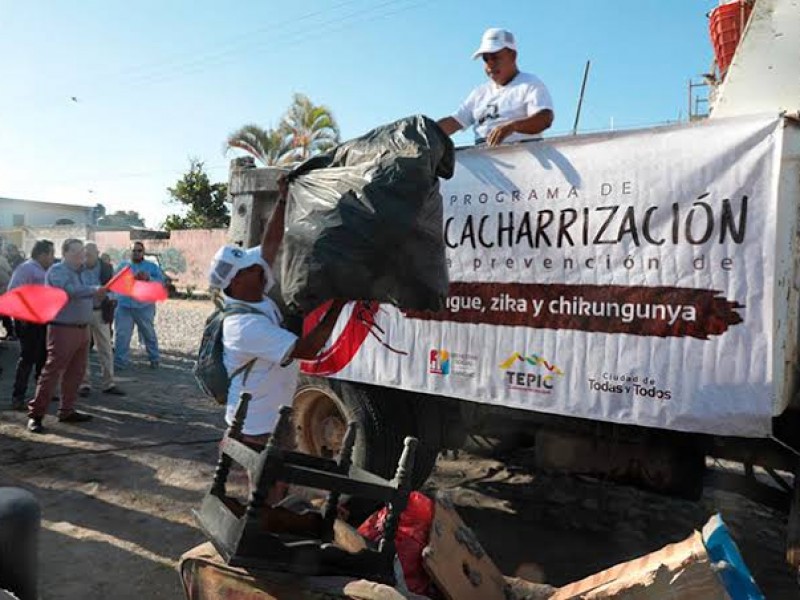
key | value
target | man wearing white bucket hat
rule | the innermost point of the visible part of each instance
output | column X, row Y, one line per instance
column 256, row 345
column 511, row 106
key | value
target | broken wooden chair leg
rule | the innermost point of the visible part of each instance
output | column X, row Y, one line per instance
column 344, row 461
column 224, row 463
column 402, row 480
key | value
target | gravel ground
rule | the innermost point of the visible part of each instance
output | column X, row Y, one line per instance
column 179, row 324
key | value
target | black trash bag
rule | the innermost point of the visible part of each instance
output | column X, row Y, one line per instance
column 364, row 221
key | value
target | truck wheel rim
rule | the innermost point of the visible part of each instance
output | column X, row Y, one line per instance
column 319, row 423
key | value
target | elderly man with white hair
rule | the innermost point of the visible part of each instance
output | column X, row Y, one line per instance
column 95, row 272
column 511, row 106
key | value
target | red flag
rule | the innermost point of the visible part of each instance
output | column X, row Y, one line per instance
column 126, row 284
column 122, row 282
column 33, row 303
column 148, row 291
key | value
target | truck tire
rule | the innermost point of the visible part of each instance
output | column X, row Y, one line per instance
column 493, row 446
column 384, row 417
column 428, row 426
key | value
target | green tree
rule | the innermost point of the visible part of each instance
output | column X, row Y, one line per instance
column 306, row 129
column 205, row 201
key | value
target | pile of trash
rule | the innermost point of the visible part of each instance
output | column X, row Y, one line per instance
column 277, row 546
column 364, row 221
column 440, row 557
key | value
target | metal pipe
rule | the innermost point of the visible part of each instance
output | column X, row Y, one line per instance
column 580, row 99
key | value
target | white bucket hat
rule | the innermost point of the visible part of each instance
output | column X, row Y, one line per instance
column 494, row 40
column 229, row 260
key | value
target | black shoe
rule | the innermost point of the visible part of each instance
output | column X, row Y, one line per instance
column 84, row 391
column 75, row 417
column 35, row 425
column 115, row 391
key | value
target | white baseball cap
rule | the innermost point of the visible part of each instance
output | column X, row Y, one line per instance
column 494, row 40
column 229, row 260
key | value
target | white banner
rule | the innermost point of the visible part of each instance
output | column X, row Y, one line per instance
column 623, row 278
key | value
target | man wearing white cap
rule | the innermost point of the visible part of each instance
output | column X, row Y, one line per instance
column 511, row 106
column 257, row 336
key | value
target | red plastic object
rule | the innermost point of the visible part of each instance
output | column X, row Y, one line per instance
column 122, row 282
column 126, row 284
column 411, row 539
column 726, row 24
column 33, row 303
column 342, row 350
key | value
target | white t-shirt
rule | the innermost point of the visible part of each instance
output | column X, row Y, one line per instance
column 259, row 336
column 490, row 105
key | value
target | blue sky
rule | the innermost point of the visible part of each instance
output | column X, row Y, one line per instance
column 158, row 82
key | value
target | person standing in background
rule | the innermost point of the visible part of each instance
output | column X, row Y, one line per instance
column 5, row 277
column 14, row 256
column 97, row 273
column 32, row 336
column 142, row 314
column 67, row 339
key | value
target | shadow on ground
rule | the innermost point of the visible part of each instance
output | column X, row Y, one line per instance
column 116, row 493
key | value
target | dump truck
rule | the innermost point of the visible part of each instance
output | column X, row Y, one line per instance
column 627, row 301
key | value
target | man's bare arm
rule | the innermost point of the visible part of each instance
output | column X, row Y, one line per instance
column 308, row 346
column 273, row 232
column 449, row 125
column 529, row 125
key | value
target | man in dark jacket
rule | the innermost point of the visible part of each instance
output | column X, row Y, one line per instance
column 96, row 272
column 32, row 337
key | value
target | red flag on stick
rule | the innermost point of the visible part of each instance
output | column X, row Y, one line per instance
column 149, row 291
column 122, row 282
column 33, row 303
column 126, row 284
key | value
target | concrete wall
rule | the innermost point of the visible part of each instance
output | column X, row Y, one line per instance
column 112, row 239
column 185, row 256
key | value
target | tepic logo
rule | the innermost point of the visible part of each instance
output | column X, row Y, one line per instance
column 439, row 362
column 531, row 373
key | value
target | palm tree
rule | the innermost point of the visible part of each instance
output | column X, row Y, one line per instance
column 269, row 146
column 306, row 129
column 310, row 128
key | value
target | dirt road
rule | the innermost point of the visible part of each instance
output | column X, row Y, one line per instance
column 117, row 493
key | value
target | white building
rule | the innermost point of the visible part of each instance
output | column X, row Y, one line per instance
column 16, row 213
